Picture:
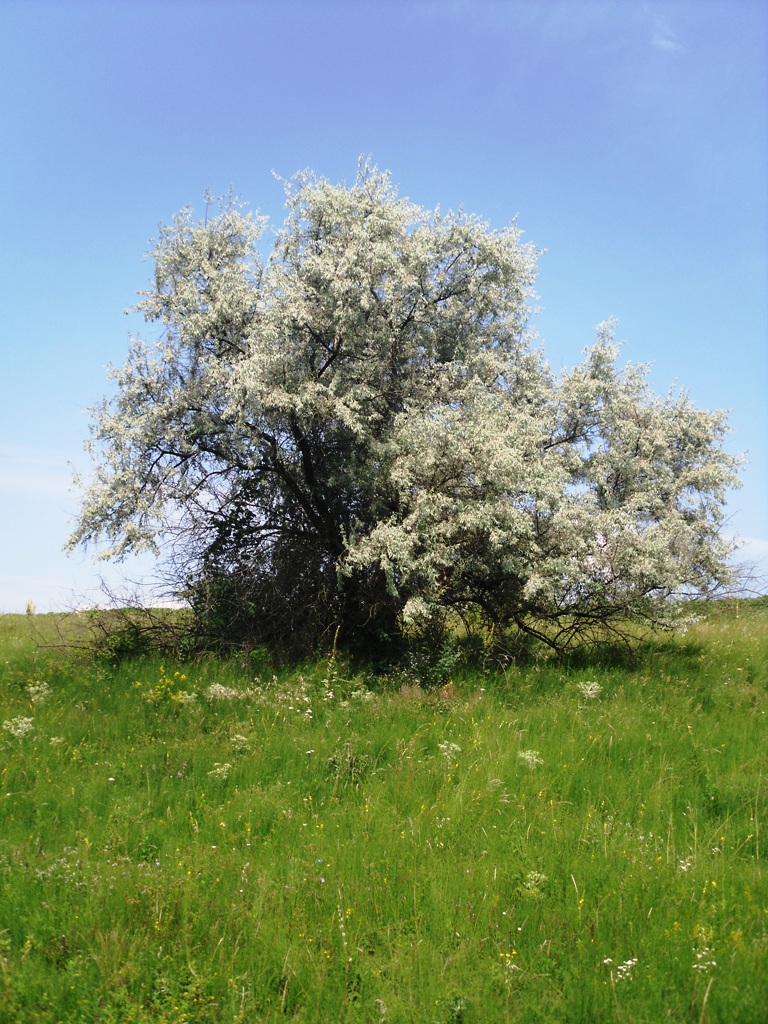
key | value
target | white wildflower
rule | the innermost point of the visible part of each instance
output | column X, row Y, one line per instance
column 449, row 750
column 218, row 692
column 362, row 695
column 623, row 971
column 533, row 883
column 18, row 727
column 39, row 691
column 220, row 771
column 530, row 758
column 589, row 689
column 703, row 958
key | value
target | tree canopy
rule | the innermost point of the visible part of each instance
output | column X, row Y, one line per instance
column 354, row 435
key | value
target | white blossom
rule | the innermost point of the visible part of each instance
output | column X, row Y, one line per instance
column 530, row 758
column 18, row 727
column 357, row 432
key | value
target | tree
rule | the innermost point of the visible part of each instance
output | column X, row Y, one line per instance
column 355, row 436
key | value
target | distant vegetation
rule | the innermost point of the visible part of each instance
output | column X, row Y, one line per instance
column 211, row 841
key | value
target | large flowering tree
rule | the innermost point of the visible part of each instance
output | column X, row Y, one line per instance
column 354, row 435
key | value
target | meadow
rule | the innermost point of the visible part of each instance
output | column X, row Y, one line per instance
column 218, row 842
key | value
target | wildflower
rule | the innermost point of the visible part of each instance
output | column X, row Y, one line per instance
column 38, row 691
column 166, row 689
column 532, row 885
column 18, row 727
column 220, row 771
column 703, row 958
column 589, row 690
column 218, row 692
column 362, row 695
column 449, row 750
column 701, row 962
column 531, row 758
column 624, row 971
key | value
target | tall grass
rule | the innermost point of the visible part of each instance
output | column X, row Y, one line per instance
column 196, row 843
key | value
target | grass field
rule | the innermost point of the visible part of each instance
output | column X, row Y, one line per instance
column 208, row 843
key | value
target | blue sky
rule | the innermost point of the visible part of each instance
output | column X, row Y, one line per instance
column 629, row 137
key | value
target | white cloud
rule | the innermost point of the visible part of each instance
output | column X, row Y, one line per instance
column 663, row 36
